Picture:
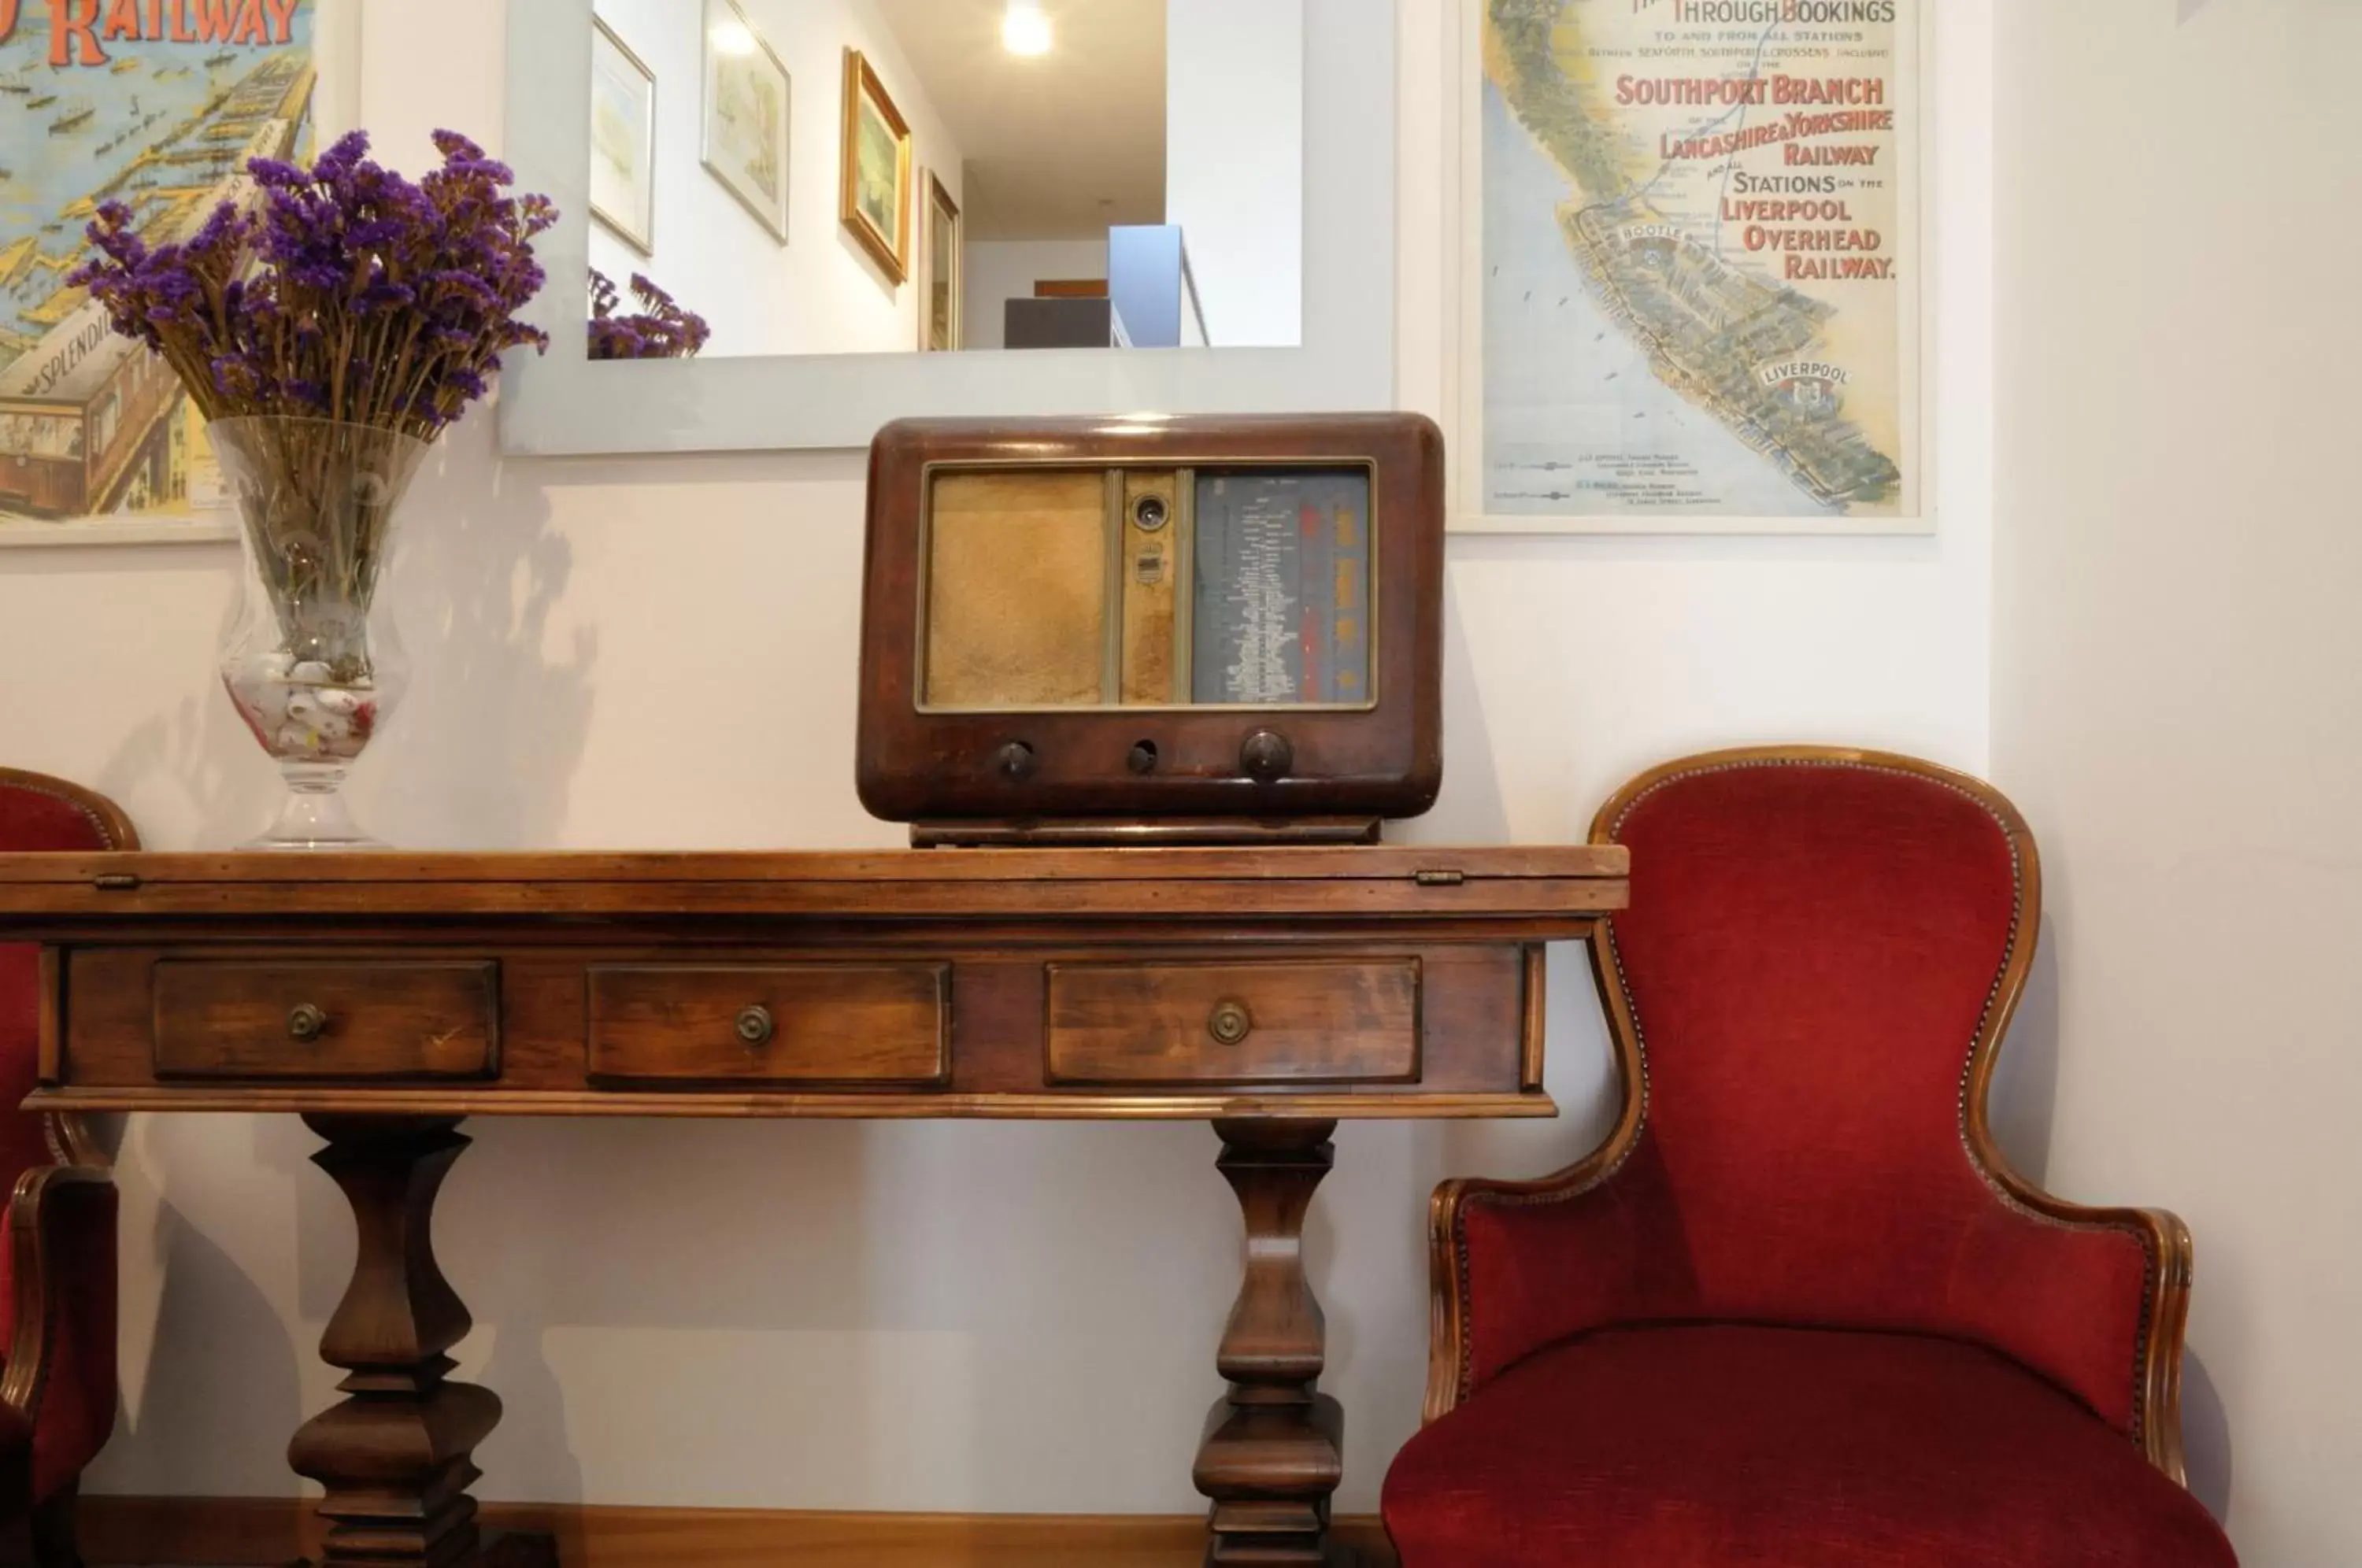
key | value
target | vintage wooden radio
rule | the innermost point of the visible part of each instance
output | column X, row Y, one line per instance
column 1209, row 629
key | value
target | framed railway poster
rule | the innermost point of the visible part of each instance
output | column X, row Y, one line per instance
column 1688, row 268
column 157, row 107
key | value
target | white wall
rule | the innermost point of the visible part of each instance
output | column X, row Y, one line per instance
column 660, row 653
column 1002, row 270
column 1234, row 163
column 820, row 293
column 2178, row 685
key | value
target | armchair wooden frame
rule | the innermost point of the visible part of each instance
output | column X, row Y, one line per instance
column 2164, row 1239
column 47, row 1200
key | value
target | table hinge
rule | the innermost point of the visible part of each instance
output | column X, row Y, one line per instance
column 1442, row 879
column 114, row 882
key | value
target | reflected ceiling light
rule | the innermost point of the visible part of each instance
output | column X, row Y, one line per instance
column 732, row 37
column 1026, row 30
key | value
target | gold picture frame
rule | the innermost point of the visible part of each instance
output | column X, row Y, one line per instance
column 943, row 271
column 875, row 134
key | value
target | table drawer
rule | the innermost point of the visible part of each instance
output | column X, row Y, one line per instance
column 1294, row 1020
column 328, row 1020
column 861, row 1023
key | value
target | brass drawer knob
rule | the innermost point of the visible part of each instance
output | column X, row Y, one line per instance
column 756, row 1026
column 1229, row 1023
column 306, row 1024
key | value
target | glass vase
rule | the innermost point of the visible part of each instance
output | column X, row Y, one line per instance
column 308, row 656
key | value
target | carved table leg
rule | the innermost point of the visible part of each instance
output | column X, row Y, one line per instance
column 395, row 1455
column 1274, row 1448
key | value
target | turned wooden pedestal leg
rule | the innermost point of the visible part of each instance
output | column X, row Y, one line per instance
column 1274, row 1448
column 395, row 1455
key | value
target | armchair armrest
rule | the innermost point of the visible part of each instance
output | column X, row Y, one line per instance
column 1470, row 1223
column 2051, row 1315
column 1479, row 1228
column 59, row 1372
column 2058, row 1282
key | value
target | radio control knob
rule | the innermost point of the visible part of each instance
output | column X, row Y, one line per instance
column 1017, row 762
column 1266, row 756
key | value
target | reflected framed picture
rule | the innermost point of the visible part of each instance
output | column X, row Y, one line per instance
column 875, row 198
column 746, row 99
column 943, row 278
column 623, row 140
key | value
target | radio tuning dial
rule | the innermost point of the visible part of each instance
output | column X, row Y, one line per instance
column 1266, row 758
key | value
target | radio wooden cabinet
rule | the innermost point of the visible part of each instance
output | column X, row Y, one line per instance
column 1234, row 621
column 1272, row 991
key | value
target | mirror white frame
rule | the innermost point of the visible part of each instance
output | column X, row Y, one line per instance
column 562, row 404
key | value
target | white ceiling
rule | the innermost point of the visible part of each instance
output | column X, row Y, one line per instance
column 1059, row 145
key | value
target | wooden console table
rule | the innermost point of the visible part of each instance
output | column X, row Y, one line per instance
column 386, row 997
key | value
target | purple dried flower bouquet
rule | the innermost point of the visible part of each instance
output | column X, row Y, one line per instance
column 327, row 326
column 345, row 293
column 663, row 328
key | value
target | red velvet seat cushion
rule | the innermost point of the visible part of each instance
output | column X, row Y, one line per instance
column 1737, row 1447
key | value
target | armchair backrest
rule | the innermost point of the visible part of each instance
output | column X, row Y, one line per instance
column 38, row 812
column 1823, row 951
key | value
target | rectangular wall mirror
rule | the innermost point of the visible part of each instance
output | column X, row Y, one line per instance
column 883, row 208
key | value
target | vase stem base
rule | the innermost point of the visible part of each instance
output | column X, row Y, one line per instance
column 313, row 816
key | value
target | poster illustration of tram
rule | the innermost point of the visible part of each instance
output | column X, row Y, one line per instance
column 157, row 104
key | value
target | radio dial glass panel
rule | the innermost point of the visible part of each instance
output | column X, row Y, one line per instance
column 1219, row 585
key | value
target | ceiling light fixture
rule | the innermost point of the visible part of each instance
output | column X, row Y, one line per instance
column 1026, row 30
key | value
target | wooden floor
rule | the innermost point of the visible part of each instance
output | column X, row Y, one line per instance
column 260, row 1532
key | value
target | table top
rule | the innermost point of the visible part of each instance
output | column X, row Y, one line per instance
column 37, row 890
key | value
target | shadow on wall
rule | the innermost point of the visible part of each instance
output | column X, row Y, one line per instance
column 808, row 1290
column 201, row 751
column 486, row 743
column 483, row 748
column 1474, row 809
column 217, row 1352
column 2024, row 1105
column 2206, row 1439
column 2025, row 1092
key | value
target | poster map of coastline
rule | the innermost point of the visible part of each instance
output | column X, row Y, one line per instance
column 154, row 102
column 1699, row 286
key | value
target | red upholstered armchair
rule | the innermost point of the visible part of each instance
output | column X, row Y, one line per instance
column 1797, row 1311
column 57, row 1239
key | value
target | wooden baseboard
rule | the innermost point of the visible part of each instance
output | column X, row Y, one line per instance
column 258, row 1532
